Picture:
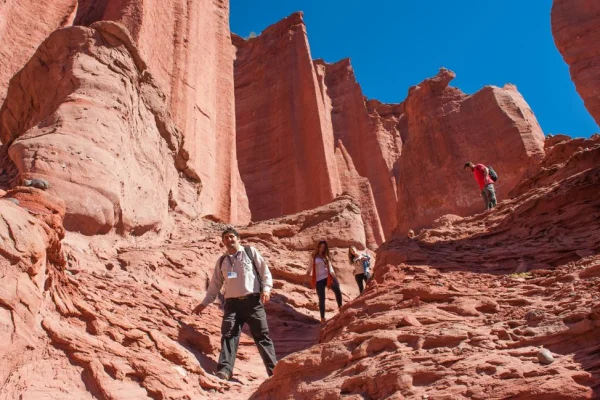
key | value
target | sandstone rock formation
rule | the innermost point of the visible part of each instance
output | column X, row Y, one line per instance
column 111, row 158
column 576, row 31
column 445, row 129
column 115, row 317
column 443, row 319
column 285, row 141
column 372, row 149
column 22, row 30
column 187, row 48
column 411, row 154
column 129, row 117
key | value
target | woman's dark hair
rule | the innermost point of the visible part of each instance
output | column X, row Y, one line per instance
column 351, row 256
column 315, row 253
column 230, row 230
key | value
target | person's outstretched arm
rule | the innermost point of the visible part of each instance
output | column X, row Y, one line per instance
column 216, row 282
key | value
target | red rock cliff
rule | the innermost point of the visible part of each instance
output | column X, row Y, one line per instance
column 373, row 150
column 445, row 129
column 284, row 138
column 23, row 29
column 104, row 139
column 187, row 47
column 576, row 30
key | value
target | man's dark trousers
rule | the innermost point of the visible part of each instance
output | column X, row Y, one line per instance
column 238, row 311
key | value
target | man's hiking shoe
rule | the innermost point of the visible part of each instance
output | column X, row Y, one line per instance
column 223, row 375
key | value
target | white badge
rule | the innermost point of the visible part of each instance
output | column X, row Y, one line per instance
column 231, row 275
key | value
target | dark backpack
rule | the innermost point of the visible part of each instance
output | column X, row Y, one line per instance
column 493, row 173
column 249, row 254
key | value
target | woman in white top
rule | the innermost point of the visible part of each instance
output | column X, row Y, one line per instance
column 361, row 273
column 321, row 270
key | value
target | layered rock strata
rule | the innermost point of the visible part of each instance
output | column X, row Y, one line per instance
column 445, row 129
column 23, row 29
column 187, row 48
column 468, row 309
column 284, row 138
column 103, row 138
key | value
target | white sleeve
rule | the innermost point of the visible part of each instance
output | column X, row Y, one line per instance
column 263, row 271
column 216, row 282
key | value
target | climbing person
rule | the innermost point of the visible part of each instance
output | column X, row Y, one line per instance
column 248, row 283
column 485, row 177
column 320, row 269
column 361, row 262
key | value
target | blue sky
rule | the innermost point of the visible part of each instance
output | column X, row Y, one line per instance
column 395, row 44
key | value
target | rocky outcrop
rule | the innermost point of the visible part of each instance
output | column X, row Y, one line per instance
column 187, row 48
column 445, row 129
column 104, row 138
column 411, row 154
column 564, row 157
column 284, row 138
column 373, row 150
column 469, row 308
column 115, row 318
column 23, row 29
column 30, row 260
column 576, row 31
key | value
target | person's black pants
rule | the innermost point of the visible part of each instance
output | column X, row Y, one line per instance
column 321, row 285
column 238, row 312
column 360, row 278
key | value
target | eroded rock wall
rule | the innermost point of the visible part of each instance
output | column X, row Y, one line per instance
column 445, row 129
column 284, row 138
column 576, row 31
column 187, row 47
column 103, row 139
column 24, row 25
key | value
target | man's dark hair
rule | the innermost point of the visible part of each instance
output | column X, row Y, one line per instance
column 468, row 165
column 230, row 230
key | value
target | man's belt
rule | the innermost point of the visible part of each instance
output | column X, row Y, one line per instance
column 243, row 297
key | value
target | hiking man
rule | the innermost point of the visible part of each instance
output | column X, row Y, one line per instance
column 248, row 282
column 484, row 177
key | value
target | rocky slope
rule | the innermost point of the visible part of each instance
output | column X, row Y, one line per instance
column 443, row 318
column 130, row 120
column 109, row 318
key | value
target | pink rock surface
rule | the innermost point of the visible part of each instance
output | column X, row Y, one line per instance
column 576, row 31
column 442, row 319
column 445, row 129
column 373, row 150
column 116, row 323
column 187, row 47
column 104, row 140
column 23, row 29
column 285, row 141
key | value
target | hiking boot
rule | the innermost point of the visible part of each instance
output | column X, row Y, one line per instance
column 223, row 375
column 322, row 320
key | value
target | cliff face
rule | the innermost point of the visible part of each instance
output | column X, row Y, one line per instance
column 576, row 31
column 445, row 129
column 187, row 46
column 411, row 154
column 285, row 142
column 104, row 139
column 446, row 316
column 372, row 149
column 23, row 29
